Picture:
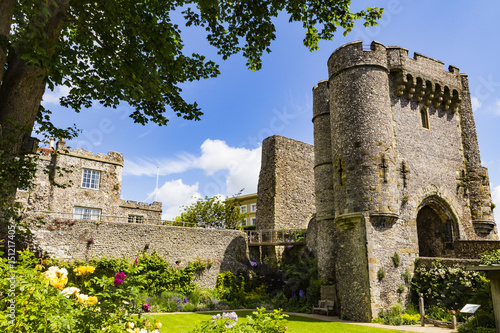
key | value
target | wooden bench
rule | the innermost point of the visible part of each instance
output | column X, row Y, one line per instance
column 325, row 306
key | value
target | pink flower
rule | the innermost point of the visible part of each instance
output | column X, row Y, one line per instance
column 119, row 277
column 145, row 307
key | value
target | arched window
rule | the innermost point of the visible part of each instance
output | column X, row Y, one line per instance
column 424, row 115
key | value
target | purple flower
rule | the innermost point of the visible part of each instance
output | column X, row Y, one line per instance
column 301, row 293
column 119, row 277
column 253, row 264
column 145, row 307
column 136, row 261
column 185, row 300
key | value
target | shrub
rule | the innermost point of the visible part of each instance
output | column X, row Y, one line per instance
column 259, row 321
column 409, row 319
column 44, row 304
column 446, row 287
column 491, row 257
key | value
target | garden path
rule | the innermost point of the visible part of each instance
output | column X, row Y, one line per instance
column 404, row 328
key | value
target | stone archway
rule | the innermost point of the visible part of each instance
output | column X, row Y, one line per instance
column 437, row 229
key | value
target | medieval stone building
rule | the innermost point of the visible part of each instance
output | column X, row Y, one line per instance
column 91, row 185
column 397, row 174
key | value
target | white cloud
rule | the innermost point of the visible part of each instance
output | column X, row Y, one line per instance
column 495, row 194
column 243, row 165
column 173, row 195
column 52, row 97
column 229, row 167
column 476, row 103
column 149, row 167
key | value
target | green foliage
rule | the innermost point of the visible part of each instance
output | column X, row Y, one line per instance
column 407, row 276
column 400, row 289
column 446, row 287
column 438, row 313
column 259, row 321
column 151, row 273
column 213, row 212
column 396, row 259
column 490, row 258
column 381, row 273
column 41, row 307
column 409, row 319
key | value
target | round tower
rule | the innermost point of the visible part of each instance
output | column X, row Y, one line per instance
column 363, row 167
column 362, row 133
column 323, row 170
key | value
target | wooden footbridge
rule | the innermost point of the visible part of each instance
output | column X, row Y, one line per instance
column 276, row 237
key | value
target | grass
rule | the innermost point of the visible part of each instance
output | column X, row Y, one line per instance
column 183, row 323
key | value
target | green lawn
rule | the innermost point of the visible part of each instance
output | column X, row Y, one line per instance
column 183, row 323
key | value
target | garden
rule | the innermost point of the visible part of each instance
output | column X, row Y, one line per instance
column 137, row 295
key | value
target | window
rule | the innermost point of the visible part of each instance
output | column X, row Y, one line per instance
column 135, row 219
column 81, row 213
column 253, row 208
column 425, row 118
column 243, row 209
column 244, row 222
column 253, row 220
column 90, row 179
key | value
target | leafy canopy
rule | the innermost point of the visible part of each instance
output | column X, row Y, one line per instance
column 132, row 51
column 213, row 212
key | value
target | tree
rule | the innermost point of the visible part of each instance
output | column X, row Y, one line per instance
column 115, row 51
column 213, row 212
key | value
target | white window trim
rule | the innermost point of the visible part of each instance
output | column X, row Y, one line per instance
column 87, row 212
column 244, row 222
column 98, row 180
column 253, row 208
column 135, row 218
column 253, row 221
column 243, row 209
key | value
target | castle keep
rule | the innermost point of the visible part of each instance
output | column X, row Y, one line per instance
column 397, row 171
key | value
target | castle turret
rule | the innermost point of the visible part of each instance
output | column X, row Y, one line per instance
column 403, row 178
column 323, row 170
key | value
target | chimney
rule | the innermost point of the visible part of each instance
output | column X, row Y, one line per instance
column 51, row 143
column 60, row 144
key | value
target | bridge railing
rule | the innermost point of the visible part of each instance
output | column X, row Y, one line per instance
column 276, row 237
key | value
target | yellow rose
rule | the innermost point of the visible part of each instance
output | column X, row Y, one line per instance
column 92, row 300
column 157, row 324
column 130, row 324
column 82, row 298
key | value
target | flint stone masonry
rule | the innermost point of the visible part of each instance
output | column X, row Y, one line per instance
column 285, row 195
column 227, row 248
column 397, row 172
column 65, row 167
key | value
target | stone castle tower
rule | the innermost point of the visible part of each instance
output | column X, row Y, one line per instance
column 397, row 171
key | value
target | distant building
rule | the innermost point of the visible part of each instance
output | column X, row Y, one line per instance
column 91, row 185
column 248, row 205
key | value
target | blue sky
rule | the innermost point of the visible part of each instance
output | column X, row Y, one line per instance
column 221, row 153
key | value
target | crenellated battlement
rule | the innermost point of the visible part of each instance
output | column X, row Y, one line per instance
column 155, row 206
column 421, row 78
column 110, row 157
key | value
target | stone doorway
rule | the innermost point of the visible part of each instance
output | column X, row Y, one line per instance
column 436, row 228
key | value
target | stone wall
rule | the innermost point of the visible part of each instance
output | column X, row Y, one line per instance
column 473, row 249
column 286, row 197
column 179, row 245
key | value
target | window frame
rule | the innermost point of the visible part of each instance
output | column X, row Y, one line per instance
column 135, row 218
column 244, row 222
column 243, row 209
column 87, row 213
column 253, row 221
column 83, row 184
column 253, row 208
